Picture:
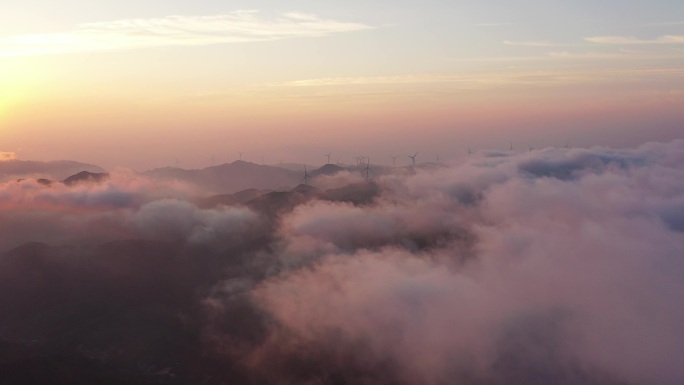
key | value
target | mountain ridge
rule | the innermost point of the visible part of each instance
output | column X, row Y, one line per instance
column 52, row 170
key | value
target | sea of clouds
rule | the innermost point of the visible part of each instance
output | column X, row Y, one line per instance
column 556, row 266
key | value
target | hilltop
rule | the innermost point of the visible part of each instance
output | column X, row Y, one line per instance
column 54, row 170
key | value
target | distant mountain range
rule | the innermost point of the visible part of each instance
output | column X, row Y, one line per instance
column 55, row 170
column 294, row 166
column 274, row 202
column 236, row 182
column 240, row 176
column 230, row 178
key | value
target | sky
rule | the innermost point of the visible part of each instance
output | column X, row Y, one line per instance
column 142, row 84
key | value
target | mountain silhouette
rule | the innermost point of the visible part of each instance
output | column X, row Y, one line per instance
column 239, row 197
column 328, row 169
column 233, row 177
column 56, row 170
column 85, row 176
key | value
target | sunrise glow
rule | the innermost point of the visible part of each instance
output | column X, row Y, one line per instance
column 249, row 76
column 342, row 192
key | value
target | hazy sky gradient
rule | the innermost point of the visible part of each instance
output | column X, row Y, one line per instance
column 139, row 84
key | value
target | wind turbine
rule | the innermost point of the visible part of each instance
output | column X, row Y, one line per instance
column 530, row 147
column 413, row 159
column 306, row 176
column 328, row 155
column 240, row 155
column 470, row 152
column 511, row 147
column 367, row 170
column 394, row 160
column 567, row 145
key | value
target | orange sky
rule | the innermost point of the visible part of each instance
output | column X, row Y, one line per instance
column 343, row 82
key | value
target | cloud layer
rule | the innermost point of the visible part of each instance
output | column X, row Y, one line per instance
column 233, row 27
column 629, row 40
column 555, row 266
column 484, row 80
column 6, row 155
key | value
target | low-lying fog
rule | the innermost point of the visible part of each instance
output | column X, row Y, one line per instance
column 556, row 266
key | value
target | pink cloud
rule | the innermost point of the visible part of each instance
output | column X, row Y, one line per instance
column 6, row 156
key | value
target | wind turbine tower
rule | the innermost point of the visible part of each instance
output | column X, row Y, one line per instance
column 328, row 155
column 394, row 160
column 367, row 170
column 306, row 176
column 413, row 159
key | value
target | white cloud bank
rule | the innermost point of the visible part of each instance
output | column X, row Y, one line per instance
column 233, row 27
column 666, row 39
column 554, row 266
